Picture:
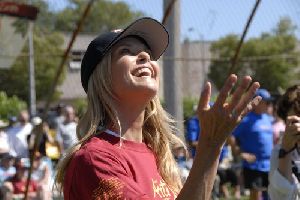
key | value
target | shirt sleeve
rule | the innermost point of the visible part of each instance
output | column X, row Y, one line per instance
column 100, row 175
column 279, row 187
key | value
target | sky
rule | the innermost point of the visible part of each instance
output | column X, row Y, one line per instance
column 213, row 19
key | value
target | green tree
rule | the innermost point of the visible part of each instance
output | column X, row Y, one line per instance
column 223, row 49
column 80, row 106
column 47, row 56
column 189, row 106
column 10, row 106
column 270, row 59
column 104, row 15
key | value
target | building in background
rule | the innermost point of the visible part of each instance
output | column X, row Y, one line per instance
column 195, row 67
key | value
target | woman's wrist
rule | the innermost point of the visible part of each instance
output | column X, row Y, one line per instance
column 209, row 146
column 285, row 150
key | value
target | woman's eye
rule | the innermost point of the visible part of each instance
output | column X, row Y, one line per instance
column 125, row 51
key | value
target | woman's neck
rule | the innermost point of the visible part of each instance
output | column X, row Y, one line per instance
column 131, row 121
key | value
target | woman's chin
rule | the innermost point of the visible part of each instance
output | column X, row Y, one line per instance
column 148, row 84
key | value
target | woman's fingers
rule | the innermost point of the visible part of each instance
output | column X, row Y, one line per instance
column 238, row 94
column 247, row 103
column 225, row 91
column 292, row 119
column 249, row 107
column 292, row 132
column 293, row 124
column 204, row 98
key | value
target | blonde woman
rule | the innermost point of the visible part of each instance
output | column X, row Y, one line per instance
column 125, row 137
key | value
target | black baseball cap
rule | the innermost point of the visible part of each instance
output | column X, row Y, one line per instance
column 150, row 30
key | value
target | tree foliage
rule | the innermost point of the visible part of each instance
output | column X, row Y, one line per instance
column 48, row 40
column 270, row 59
column 104, row 15
column 10, row 106
column 47, row 56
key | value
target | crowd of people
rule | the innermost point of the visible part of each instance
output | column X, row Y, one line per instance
column 261, row 157
column 17, row 140
column 248, row 165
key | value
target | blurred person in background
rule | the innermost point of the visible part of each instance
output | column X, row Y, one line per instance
column 41, row 174
column 181, row 157
column 66, row 131
column 227, row 174
column 192, row 132
column 17, row 135
column 284, row 175
column 278, row 124
column 45, row 137
column 125, row 137
column 14, row 187
column 12, row 120
column 7, row 168
column 59, row 116
column 4, row 144
column 253, row 141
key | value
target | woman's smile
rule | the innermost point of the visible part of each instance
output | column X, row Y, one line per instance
column 133, row 71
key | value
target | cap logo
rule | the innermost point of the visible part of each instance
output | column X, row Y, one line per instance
column 117, row 31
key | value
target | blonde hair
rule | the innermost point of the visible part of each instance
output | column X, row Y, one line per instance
column 158, row 129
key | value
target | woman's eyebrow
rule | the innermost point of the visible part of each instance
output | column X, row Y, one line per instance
column 126, row 44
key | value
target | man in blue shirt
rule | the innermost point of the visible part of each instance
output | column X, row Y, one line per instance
column 253, row 141
column 192, row 134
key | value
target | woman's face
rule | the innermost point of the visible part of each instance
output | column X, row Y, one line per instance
column 134, row 74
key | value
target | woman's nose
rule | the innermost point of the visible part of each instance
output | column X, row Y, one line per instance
column 144, row 56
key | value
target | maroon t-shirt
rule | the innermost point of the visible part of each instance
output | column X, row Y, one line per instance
column 104, row 169
column 19, row 186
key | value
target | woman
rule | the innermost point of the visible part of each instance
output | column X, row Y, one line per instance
column 285, row 167
column 125, row 137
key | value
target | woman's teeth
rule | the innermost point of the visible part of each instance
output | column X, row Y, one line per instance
column 143, row 72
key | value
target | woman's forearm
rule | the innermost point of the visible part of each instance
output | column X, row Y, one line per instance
column 285, row 167
column 199, row 184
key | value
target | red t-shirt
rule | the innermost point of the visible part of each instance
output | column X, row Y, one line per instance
column 20, row 185
column 102, row 169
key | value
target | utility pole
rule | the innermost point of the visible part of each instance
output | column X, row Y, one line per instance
column 171, row 68
column 204, row 71
column 32, row 93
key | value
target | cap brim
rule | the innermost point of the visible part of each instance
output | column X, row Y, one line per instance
column 152, row 31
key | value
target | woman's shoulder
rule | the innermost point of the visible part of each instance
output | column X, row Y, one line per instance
column 98, row 145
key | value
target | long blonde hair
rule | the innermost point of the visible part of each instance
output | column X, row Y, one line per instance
column 158, row 128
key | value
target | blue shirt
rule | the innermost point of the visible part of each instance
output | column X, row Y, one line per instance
column 255, row 135
column 6, row 173
column 224, row 153
column 193, row 131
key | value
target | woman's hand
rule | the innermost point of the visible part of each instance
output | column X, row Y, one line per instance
column 292, row 133
column 218, row 121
